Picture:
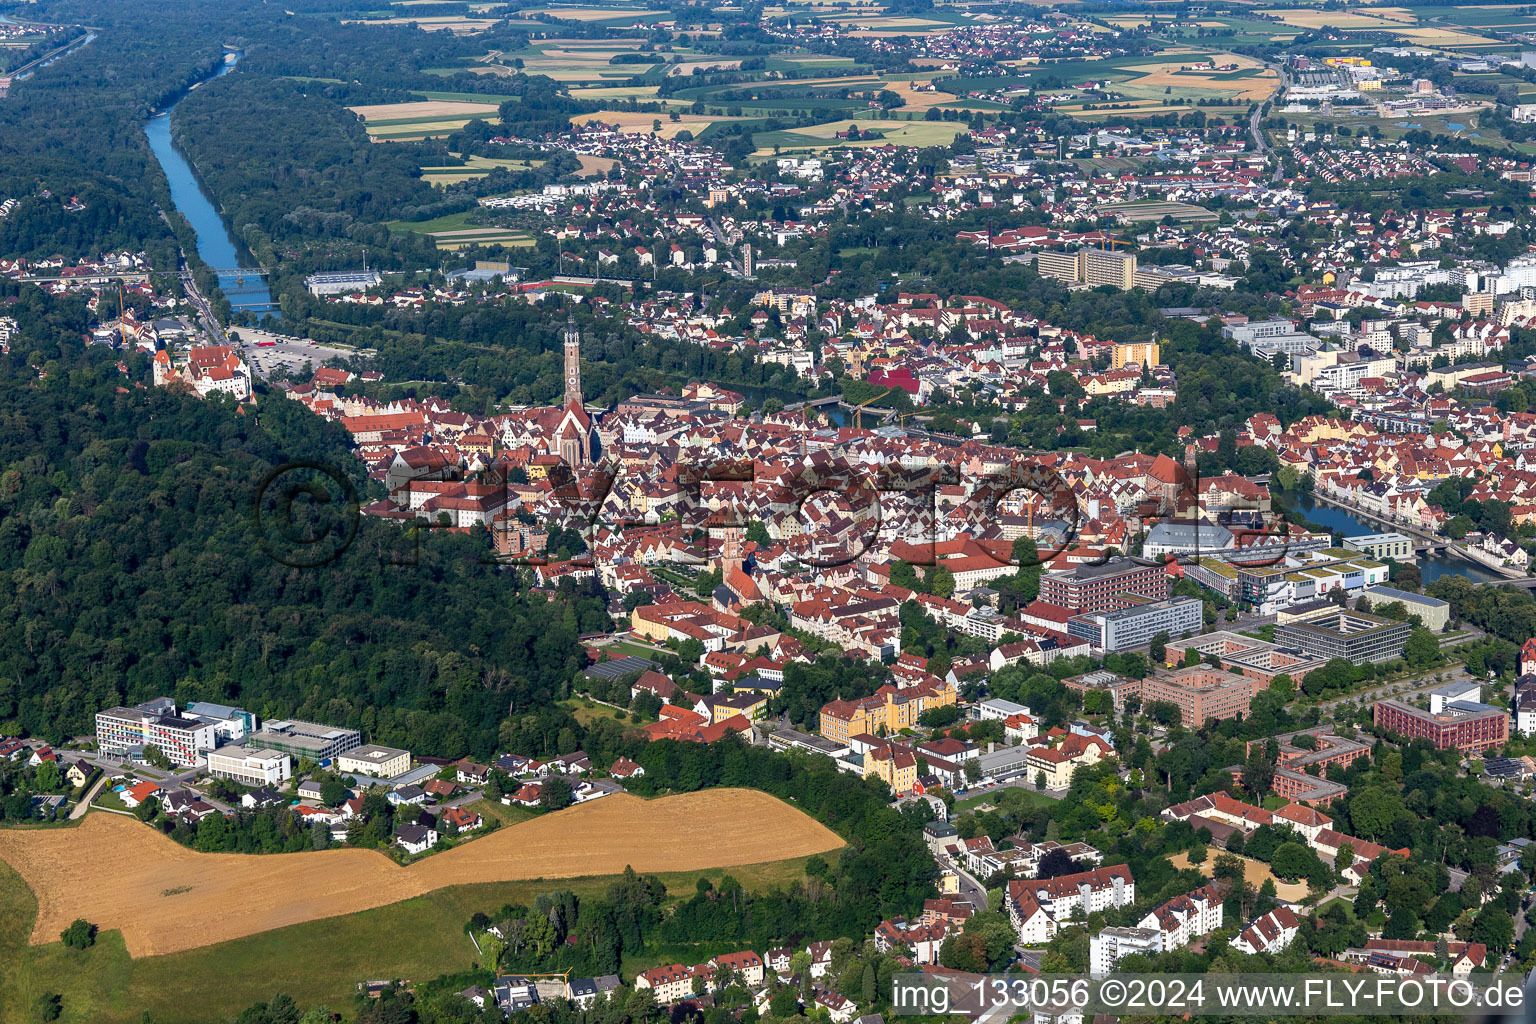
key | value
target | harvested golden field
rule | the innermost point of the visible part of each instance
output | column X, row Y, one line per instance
column 920, row 101
column 458, row 25
column 163, row 897
column 1333, row 19
column 597, row 13
column 423, row 110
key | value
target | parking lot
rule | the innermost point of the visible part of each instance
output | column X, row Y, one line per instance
column 285, row 351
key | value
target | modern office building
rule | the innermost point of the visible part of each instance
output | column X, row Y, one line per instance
column 1354, row 636
column 250, row 767
column 1434, row 613
column 126, row 732
column 1201, row 693
column 1123, row 628
column 381, row 762
column 1093, row 588
column 306, row 739
column 1396, row 546
column 231, row 724
column 1465, row 725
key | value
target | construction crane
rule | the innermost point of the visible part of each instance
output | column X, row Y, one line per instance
column 858, row 410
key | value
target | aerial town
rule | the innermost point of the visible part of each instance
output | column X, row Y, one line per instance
column 598, row 512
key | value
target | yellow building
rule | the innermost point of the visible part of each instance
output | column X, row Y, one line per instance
column 896, row 768
column 1140, row 353
column 889, row 709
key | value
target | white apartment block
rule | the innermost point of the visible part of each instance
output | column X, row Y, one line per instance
column 372, row 759
column 1185, row 918
column 1270, row 933
column 250, row 767
column 1107, row 948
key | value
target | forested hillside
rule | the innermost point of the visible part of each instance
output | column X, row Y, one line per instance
column 133, row 569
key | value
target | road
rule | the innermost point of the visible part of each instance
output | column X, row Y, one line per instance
column 971, row 889
column 1456, row 675
column 1259, row 138
column 78, row 811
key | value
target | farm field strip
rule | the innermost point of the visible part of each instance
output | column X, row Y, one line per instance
column 63, row 867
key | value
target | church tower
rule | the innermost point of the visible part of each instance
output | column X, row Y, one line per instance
column 573, row 435
column 572, row 364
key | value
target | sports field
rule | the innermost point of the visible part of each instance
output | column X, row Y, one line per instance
column 165, row 898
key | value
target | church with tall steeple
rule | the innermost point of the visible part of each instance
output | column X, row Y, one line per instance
column 573, row 437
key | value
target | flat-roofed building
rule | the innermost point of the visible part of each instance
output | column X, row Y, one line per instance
column 1396, row 546
column 1111, row 945
column 1200, row 693
column 1105, row 266
column 250, row 767
column 1355, row 636
column 306, row 739
column 1247, row 656
column 1434, row 613
column 1094, row 588
column 372, row 759
column 1120, row 629
column 125, row 732
column 1468, row 727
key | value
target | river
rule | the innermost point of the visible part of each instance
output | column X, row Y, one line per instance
column 1431, row 567
column 214, row 243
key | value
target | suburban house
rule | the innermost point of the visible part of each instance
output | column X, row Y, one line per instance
column 415, row 838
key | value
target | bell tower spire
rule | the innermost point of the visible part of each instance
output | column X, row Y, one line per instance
column 572, row 363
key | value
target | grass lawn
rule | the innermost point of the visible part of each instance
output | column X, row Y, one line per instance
column 452, row 222
column 507, row 814
column 317, row 962
column 1001, row 798
column 597, row 712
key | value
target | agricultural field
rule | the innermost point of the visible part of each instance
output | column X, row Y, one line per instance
column 638, row 123
column 160, row 892
column 1184, row 212
column 455, row 232
column 473, row 169
column 459, row 25
column 610, row 16
column 814, row 138
column 105, row 985
column 424, row 119
column 575, row 61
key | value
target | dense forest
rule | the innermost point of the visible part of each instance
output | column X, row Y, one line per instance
column 126, row 531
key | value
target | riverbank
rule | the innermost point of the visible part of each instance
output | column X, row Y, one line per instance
column 216, row 246
column 1330, row 515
